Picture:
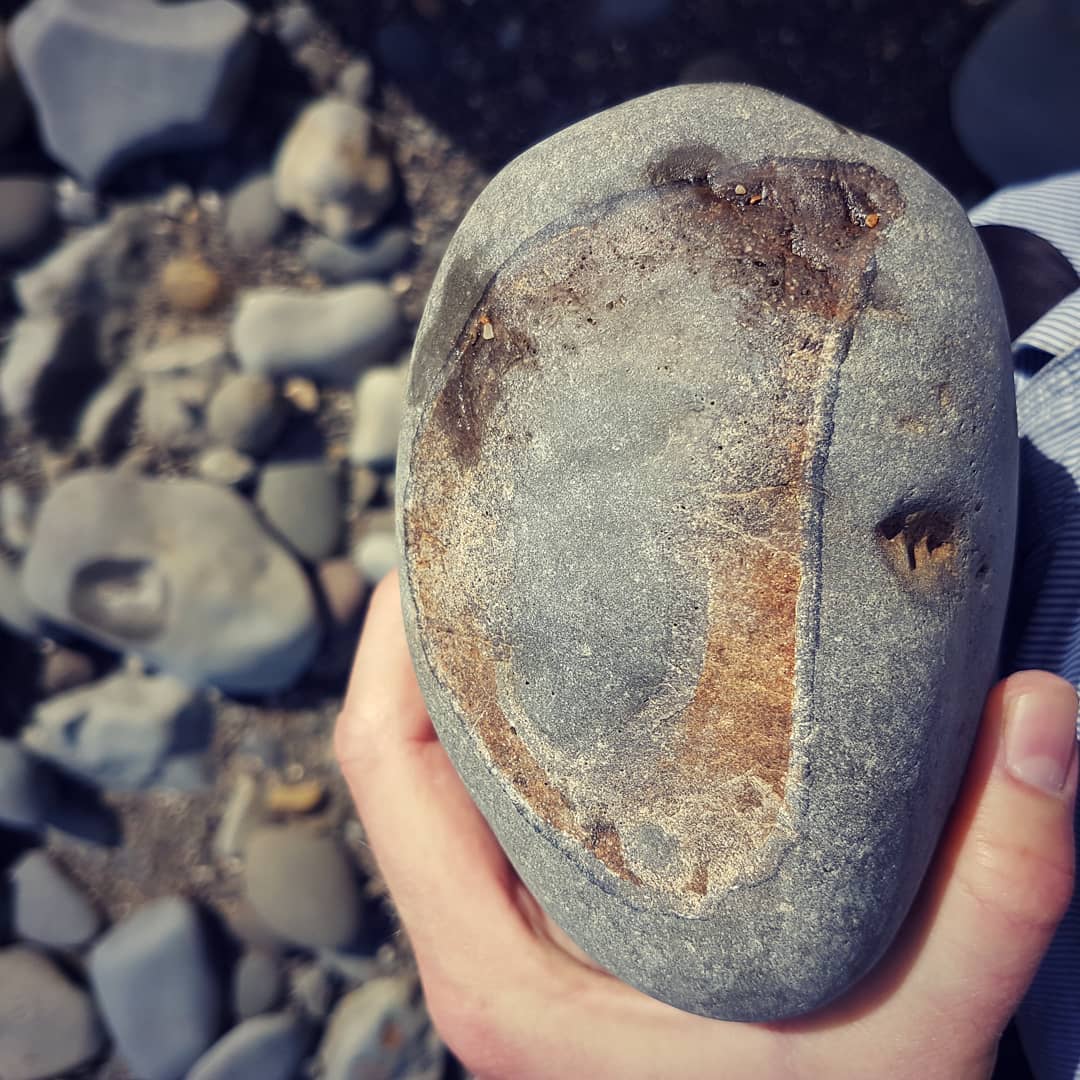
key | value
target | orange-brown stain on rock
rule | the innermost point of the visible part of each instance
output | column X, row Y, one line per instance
column 802, row 256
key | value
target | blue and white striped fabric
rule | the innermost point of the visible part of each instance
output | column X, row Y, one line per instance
column 1045, row 613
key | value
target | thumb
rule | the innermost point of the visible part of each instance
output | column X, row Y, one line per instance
column 1004, row 873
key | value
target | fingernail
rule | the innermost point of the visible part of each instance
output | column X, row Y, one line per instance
column 1040, row 739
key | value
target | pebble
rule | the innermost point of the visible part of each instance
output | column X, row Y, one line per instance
column 16, row 515
column 48, row 907
column 378, row 256
column 303, row 394
column 177, row 201
column 27, row 217
column 302, row 886
column 381, row 1029
column 43, row 368
column 189, row 283
column 48, row 1026
column 226, row 466
column 12, row 100
column 313, row 988
column 177, row 572
column 15, row 611
column 376, row 554
column 265, row 1047
column 328, row 337
column 27, row 790
column 77, row 205
column 195, row 354
column 302, row 797
column 191, row 68
column 380, row 399
column 333, row 171
column 253, row 219
column 120, row 733
column 109, row 417
column 344, row 590
column 302, row 501
column 242, row 813
column 296, row 25
column 258, row 983
column 153, row 978
column 246, row 413
column 356, row 80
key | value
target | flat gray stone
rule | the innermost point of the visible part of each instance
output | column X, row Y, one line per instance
column 246, row 413
column 48, row 907
column 27, row 216
column 178, row 572
column 688, row 505
column 194, row 355
column 380, row 399
column 373, row 257
column 266, row 1047
column 330, row 336
column 333, row 170
column 26, row 789
column 122, row 733
column 79, row 61
column 381, row 1029
column 158, row 992
column 253, row 219
column 48, row 1026
column 258, row 983
column 302, row 501
column 302, row 886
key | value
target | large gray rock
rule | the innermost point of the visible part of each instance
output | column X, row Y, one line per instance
column 48, row 908
column 157, row 990
column 48, row 1026
column 125, row 733
column 302, row 886
column 331, row 336
column 180, row 573
column 333, row 170
column 267, row 1047
column 382, row 1029
column 115, row 81
column 707, row 497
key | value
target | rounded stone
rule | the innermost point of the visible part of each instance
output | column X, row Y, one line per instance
column 189, row 283
column 226, row 466
column 158, row 991
column 330, row 337
column 48, row 1026
column 253, row 219
column 377, row 256
column 178, row 572
column 258, row 983
column 302, row 501
column 683, row 486
column 333, row 170
column 48, row 907
column 27, row 216
column 266, row 1047
column 302, row 886
column 380, row 396
column 246, row 413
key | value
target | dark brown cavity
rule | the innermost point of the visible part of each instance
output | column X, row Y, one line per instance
column 795, row 241
column 921, row 547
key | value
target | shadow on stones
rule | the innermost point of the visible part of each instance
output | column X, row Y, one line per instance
column 21, row 663
column 497, row 79
column 79, row 810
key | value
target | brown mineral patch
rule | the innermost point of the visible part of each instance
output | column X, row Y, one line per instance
column 793, row 241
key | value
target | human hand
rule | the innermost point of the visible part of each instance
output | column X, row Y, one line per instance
column 513, row 997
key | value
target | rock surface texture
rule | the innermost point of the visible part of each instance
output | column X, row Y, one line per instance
column 180, row 573
column 111, row 82
column 689, row 503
